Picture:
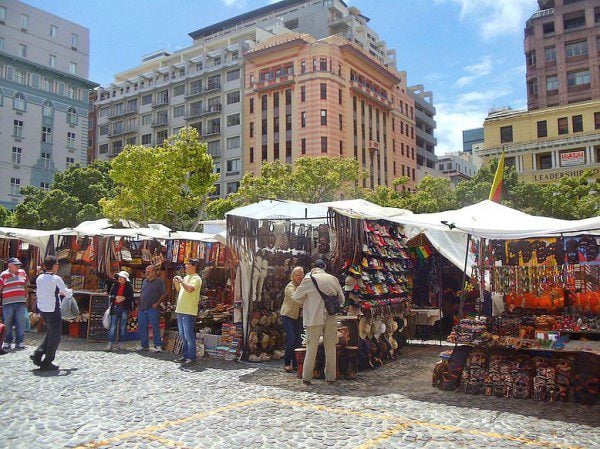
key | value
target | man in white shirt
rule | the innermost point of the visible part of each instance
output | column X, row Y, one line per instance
column 49, row 286
column 317, row 321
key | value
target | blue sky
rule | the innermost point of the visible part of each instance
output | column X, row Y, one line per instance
column 469, row 53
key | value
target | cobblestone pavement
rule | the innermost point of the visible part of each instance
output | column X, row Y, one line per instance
column 132, row 400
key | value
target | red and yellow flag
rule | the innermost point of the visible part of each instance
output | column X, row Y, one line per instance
column 497, row 184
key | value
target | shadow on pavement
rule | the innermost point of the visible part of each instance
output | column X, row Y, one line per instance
column 58, row 373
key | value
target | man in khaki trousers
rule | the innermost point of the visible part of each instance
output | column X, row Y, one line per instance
column 317, row 321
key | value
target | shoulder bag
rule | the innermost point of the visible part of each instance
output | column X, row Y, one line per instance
column 332, row 304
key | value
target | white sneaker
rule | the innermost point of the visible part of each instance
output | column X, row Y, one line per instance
column 141, row 348
column 109, row 347
column 21, row 346
column 157, row 349
column 7, row 346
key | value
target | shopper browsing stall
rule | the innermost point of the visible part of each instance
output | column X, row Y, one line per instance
column 14, row 295
column 188, row 289
column 152, row 294
column 121, row 303
column 290, row 317
column 49, row 286
column 316, row 319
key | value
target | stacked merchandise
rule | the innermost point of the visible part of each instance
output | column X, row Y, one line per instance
column 468, row 331
column 230, row 341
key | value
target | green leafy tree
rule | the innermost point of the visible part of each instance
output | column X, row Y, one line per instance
column 310, row 180
column 26, row 214
column 431, row 195
column 5, row 217
column 165, row 184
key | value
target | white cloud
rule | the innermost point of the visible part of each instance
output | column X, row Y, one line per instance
column 468, row 110
column 496, row 17
column 234, row 3
column 475, row 71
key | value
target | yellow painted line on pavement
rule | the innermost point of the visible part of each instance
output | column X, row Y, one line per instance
column 151, row 429
column 165, row 441
column 385, row 435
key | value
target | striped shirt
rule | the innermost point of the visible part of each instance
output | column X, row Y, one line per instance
column 13, row 287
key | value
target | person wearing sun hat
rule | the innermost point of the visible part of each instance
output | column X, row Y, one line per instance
column 121, row 303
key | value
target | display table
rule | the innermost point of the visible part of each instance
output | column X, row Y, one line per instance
column 427, row 317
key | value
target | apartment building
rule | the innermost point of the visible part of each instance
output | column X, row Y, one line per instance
column 545, row 145
column 327, row 97
column 201, row 85
column 424, row 126
column 562, row 48
column 44, row 102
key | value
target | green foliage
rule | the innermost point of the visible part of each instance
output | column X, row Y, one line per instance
column 431, row 195
column 310, row 180
column 5, row 217
column 164, row 184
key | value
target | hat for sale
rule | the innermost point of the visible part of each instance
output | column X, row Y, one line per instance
column 15, row 261
column 123, row 274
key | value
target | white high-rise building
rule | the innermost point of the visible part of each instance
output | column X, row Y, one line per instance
column 44, row 97
column 202, row 85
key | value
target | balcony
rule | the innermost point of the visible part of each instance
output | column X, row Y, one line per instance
column 212, row 109
column 123, row 131
column 160, row 122
column 194, row 112
column 371, row 94
column 212, row 88
column 212, row 131
column 196, row 91
column 161, row 102
column 273, row 83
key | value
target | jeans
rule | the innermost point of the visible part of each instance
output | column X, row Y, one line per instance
column 14, row 314
column 293, row 329
column 51, row 341
column 151, row 316
column 119, row 314
column 186, row 325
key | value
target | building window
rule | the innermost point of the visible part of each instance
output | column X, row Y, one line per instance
column 45, row 185
column 544, row 161
column 324, row 117
column 46, row 134
column 574, row 21
column 71, row 116
column 70, row 140
column 302, row 66
column 548, row 29
column 263, row 103
column 597, row 121
column 531, row 59
column 542, row 129
column 2, row 13
column 251, row 105
column 146, row 139
column 532, row 86
column 323, row 64
column 19, row 102
column 341, row 148
column 323, row 144
column 52, row 60
column 551, row 83
column 341, row 119
column 233, row 97
column 303, row 94
column 550, row 54
column 323, row 91
column 179, row 111
column 251, row 129
column 303, row 119
column 506, row 134
column 233, row 143
column 74, row 40
column 579, row 48
column 179, row 90
column 233, row 75
column 103, row 130
column 103, row 149
column 46, row 158
column 147, row 99
column 117, row 147
column 563, row 125
column 53, row 31
column 70, row 161
column 73, row 68
column 577, row 121
column 22, row 50
column 251, row 155
column 233, row 120
column 15, row 186
column 232, row 187
column 579, row 78
column 24, row 22
column 291, row 24
column 233, row 166
column 2, row 43
column 340, row 96
column 303, row 146
column 16, row 155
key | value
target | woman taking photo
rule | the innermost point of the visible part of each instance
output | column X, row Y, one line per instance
column 292, row 322
column 121, row 303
